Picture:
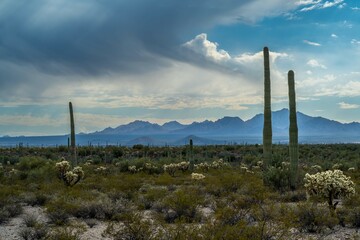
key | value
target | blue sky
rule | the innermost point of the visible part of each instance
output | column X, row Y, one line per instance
column 163, row 60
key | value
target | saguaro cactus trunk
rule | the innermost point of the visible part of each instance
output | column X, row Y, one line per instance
column 267, row 130
column 293, row 132
column 191, row 151
column 72, row 135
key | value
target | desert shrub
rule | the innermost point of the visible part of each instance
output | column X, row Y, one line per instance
column 4, row 215
column 231, row 216
column 9, row 211
column 134, row 227
column 102, row 208
column 59, row 211
column 312, row 218
column 38, row 232
column 293, row 196
column 182, row 204
column 14, row 209
column 66, row 233
column 151, row 197
column 29, row 163
column 30, row 220
column 354, row 217
column 123, row 165
column 278, row 176
column 34, row 199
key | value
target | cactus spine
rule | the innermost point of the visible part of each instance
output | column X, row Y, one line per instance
column 293, row 132
column 72, row 136
column 267, row 130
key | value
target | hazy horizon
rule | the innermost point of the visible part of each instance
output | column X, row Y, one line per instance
column 158, row 61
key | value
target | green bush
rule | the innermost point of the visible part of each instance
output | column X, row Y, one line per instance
column 182, row 204
column 354, row 217
column 314, row 218
column 134, row 227
column 29, row 163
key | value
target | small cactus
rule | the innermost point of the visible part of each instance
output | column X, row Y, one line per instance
column 69, row 177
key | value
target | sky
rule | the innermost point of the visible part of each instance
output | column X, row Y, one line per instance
column 164, row 60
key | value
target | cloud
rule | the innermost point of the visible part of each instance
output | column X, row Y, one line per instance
column 312, row 43
column 200, row 46
column 319, row 82
column 328, row 4
column 355, row 42
column 319, row 4
column 347, row 89
column 53, row 44
column 315, row 64
column 208, row 49
column 334, row 35
column 344, row 105
column 307, row 2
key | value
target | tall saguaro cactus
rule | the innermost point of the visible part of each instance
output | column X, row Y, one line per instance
column 267, row 130
column 72, row 136
column 293, row 132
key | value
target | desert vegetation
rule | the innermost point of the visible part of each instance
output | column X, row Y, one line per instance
column 221, row 195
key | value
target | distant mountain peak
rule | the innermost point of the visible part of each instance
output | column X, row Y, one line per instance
column 173, row 125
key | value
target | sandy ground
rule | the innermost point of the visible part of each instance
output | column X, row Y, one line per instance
column 10, row 230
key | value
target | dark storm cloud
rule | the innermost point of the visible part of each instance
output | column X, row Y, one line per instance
column 90, row 37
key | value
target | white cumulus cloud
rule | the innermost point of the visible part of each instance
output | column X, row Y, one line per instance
column 344, row 105
column 315, row 64
column 201, row 45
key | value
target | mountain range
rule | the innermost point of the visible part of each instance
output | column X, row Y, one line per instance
column 232, row 130
column 227, row 130
column 235, row 126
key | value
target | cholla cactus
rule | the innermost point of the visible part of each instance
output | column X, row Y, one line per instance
column 329, row 185
column 88, row 163
column 62, row 167
column 150, row 168
column 217, row 164
column 243, row 169
column 197, row 176
column 316, row 168
column 13, row 172
column 183, row 166
column 171, row 169
column 337, row 166
column 132, row 169
column 70, row 178
column 101, row 170
column 202, row 167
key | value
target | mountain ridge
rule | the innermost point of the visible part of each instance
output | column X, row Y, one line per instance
column 233, row 126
